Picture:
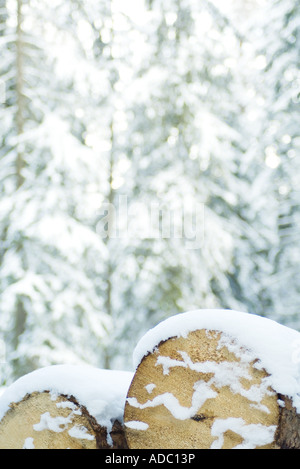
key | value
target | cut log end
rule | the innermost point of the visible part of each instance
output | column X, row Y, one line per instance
column 44, row 421
column 198, row 392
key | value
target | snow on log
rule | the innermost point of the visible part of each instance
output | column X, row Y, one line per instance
column 215, row 379
column 65, row 407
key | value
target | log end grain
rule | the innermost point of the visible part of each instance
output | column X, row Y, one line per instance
column 194, row 393
column 44, row 421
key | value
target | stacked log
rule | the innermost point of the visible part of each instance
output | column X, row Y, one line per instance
column 39, row 415
column 39, row 422
column 203, row 380
column 205, row 390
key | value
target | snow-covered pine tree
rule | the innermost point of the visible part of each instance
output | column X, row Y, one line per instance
column 162, row 132
column 265, row 256
column 185, row 155
column 51, row 311
column 193, row 135
column 107, row 117
column 280, row 137
column 254, row 222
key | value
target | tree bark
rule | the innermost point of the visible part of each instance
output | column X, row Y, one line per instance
column 288, row 431
column 109, row 266
column 19, row 91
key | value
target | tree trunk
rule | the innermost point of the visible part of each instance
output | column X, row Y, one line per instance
column 3, row 17
column 194, row 393
column 288, row 431
column 41, row 421
column 19, row 91
column 107, row 240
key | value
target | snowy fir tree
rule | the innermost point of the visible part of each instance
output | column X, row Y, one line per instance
column 192, row 141
column 177, row 173
column 50, row 253
column 148, row 166
column 261, row 268
column 280, row 137
column 266, row 253
column 254, row 227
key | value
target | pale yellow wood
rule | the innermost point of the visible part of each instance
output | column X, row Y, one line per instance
column 23, row 424
column 160, row 429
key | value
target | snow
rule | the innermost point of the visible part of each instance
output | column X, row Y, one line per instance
column 150, row 387
column 269, row 342
column 54, row 424
column 81, row 433
column 137, row 425
column 254, row 434
column 202, row 392
column 29, row 444
column 102, row 392
column 67, row 405
column 223, row 374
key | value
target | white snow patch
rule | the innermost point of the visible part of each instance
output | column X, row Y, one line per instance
column 29, row 444
column 223, row 374
column 54, row 424
column 102, row 392
column 150, row 387
column 281, row 403
column 254, row 435
column 264, row 339
column 54, row 395
column 69, row 405
column 137, row 425
column 81, row 433
column 202, row 392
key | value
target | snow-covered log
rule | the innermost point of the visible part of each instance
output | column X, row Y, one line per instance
column 215, row 380
column 63, row 407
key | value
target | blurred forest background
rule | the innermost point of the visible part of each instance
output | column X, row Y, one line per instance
column 168, row 103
